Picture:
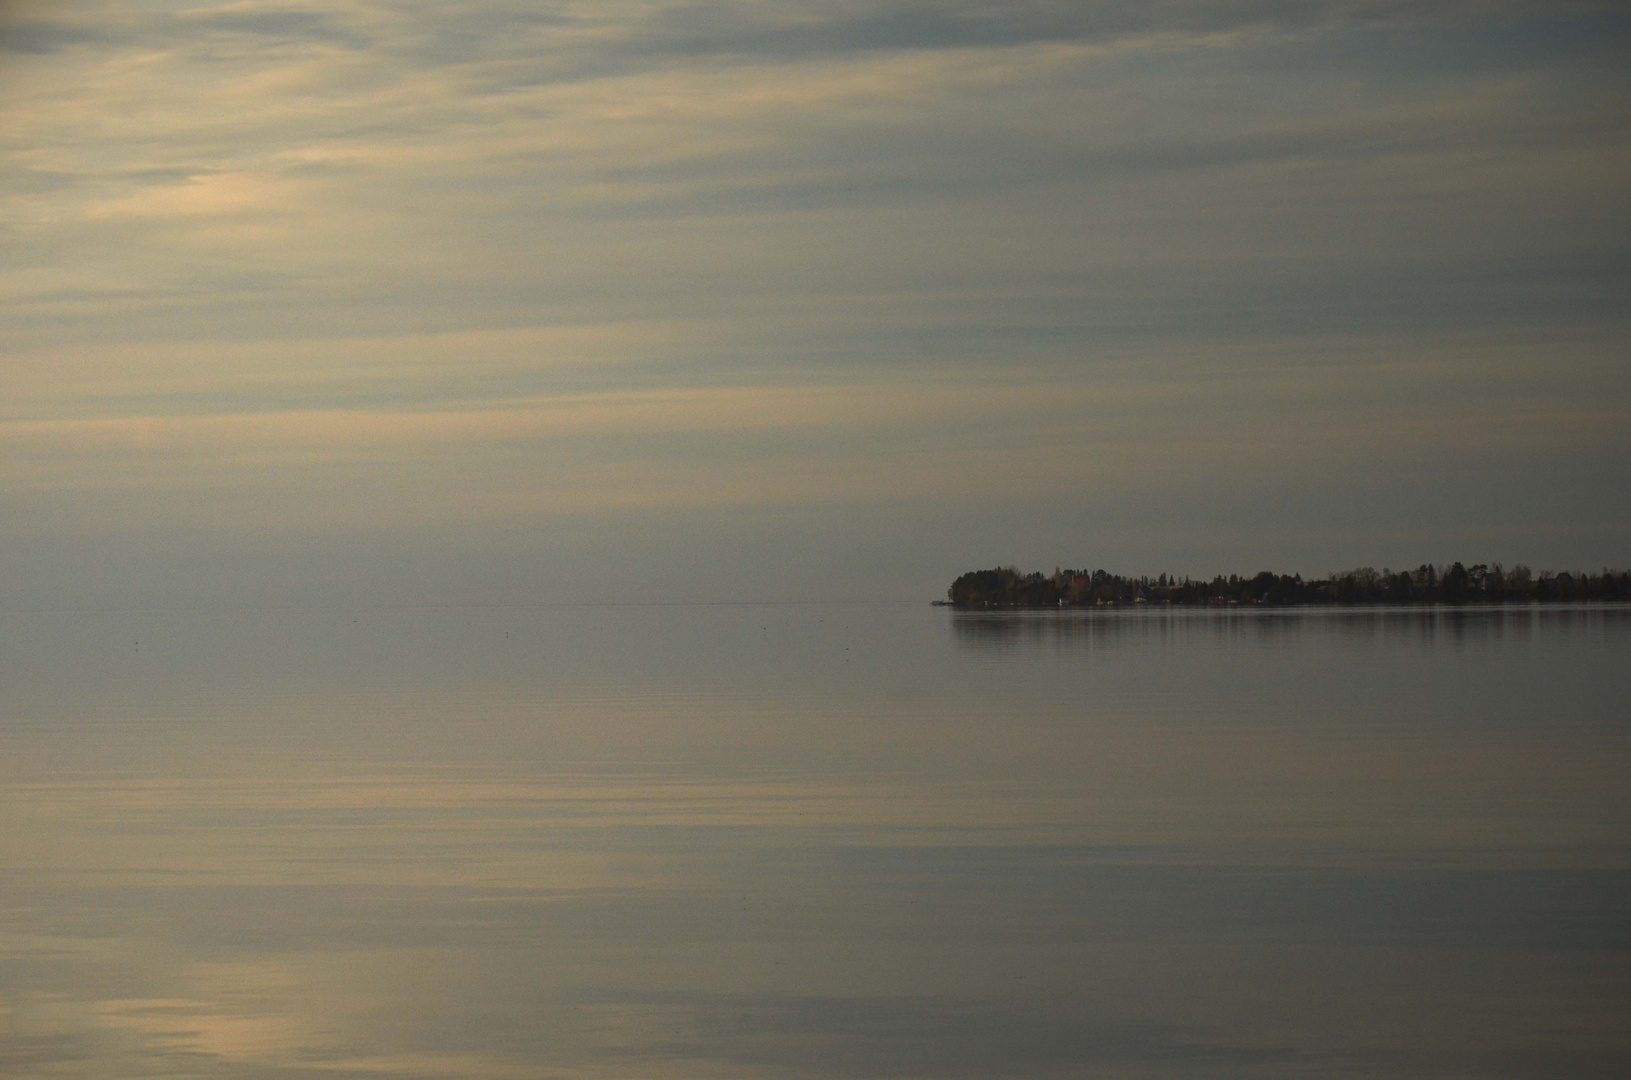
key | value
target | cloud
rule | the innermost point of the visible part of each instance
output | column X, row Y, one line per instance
column 499, row 260
column 208, row 195
column 37, row 28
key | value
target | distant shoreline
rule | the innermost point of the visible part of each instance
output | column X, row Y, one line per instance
column 1427, row 585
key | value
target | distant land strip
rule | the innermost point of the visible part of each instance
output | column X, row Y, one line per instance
column 1007, row 587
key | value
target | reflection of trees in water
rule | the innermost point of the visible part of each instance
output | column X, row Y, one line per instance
column 1018, row 629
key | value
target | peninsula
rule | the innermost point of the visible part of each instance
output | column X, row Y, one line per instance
column 1007, row 587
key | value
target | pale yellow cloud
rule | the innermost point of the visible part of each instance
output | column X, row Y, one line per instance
column 206, row 195
column 653, row 412
column 514, row 458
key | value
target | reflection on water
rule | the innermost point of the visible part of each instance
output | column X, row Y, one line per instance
column 1420, row 625
column 815, row 841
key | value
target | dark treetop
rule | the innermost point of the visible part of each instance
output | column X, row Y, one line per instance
column 1427, row 584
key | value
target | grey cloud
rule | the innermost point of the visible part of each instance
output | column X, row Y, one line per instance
column 39, row 181
column 713, row 29
column 295, row 24
column 41, row 34
column 40, row 37
column 799, row 30
column 706, row 30
column 619, row 42
column 904, row 164
column 23, row 1054
column 768, row 31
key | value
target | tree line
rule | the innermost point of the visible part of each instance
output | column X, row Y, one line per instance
column 1481, row 583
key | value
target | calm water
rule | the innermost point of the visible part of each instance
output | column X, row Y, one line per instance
column 815, row 842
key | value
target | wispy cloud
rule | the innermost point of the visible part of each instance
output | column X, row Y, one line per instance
column 299, row 233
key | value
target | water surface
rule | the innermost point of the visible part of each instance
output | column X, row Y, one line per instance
column 817, row 841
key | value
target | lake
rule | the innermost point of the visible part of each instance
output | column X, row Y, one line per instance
column 815, row 841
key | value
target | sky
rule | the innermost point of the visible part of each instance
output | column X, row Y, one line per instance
column 486, row 302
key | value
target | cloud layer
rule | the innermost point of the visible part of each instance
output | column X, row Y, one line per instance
column 1077, row 274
